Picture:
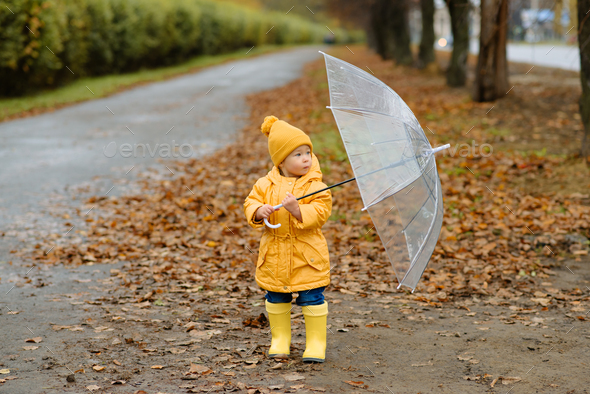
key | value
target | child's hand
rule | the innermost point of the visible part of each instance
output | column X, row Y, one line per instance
column 264, row 212
column 290, row 203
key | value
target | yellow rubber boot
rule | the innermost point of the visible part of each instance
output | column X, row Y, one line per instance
column 316, row 318
column 279, row 317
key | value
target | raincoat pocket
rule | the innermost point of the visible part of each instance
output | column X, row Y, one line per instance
column 262, row 254
column 312, row 255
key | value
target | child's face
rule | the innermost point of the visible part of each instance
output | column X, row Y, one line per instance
column 298, row 162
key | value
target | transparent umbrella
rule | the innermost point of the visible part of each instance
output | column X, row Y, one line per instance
column 393, row 164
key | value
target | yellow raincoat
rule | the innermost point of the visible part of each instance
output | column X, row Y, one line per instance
column 293, row 257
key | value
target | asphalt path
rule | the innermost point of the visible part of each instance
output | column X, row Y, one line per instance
column 103, row 141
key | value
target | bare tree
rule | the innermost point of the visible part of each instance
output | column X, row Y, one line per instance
column 584, row 43
column 400, row 30
column 426, row 53
column 491, row 76
column 379, row 31
column 457, row 71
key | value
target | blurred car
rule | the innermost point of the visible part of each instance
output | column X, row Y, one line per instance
column 329, row 38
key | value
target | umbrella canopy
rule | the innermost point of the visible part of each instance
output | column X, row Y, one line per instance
column 393, row 164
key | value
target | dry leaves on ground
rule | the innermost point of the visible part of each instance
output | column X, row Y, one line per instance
column 188, row 233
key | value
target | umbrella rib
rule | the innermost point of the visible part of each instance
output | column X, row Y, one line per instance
column 393, row 165
column 362, row 74
column 423, row 245
column 416, row 214
column 385, row 142
column 389, row 195
column 429, row 228
column 364, row 110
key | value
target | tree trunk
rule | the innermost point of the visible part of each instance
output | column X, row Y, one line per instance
column 400, row 31
column 573, row 9
column 584, row 43
column 426, row 53
column 380, row 31
column 491, row 76
column 457, row 71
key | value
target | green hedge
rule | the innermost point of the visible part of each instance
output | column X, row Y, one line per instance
column 97, row 37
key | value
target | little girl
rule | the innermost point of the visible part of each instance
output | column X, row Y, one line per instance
column 293, row 257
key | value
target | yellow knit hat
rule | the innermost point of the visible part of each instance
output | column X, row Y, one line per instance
column 282, row 138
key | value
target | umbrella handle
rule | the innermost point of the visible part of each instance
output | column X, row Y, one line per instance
column 276, row 207
column 441, row 148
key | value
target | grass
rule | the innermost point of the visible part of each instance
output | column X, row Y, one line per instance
column 499, row 132
column 329, row 142
column 96, row 87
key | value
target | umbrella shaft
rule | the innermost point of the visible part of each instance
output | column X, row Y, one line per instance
column 392, row 165
column 397, row 163
column 326, row 188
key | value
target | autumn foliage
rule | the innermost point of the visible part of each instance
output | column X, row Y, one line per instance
column 497, row 240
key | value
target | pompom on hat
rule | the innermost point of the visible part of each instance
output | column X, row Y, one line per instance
column 282, row 138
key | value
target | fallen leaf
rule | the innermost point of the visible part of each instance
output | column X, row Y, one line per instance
column 200, row 369
column 293, row 376
column 191, row 325
column 356, row 384
column 30, row 347
column 541, row 301
column 510, row 380
column 4, row 371
column 98, row 368
column 157, row 367
column 102, row 328
column 35, row 340
column 93, row 387
column 422, row 365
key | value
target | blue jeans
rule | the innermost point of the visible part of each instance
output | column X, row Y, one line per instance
column 305, row 297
